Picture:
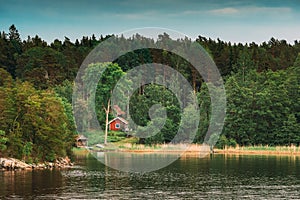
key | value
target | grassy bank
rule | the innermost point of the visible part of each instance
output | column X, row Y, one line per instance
column 159, row 147
column 80, row 151
column 194, row 149
column 261, row 150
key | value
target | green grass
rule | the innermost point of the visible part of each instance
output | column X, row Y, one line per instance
column 96, row 137
column 259, row 148
column 79, row 151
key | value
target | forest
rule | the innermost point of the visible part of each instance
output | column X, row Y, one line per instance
column 262, row 83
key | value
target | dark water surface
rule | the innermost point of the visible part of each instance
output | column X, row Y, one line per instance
column 213, row 177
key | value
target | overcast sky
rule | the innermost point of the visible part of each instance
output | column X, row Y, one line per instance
column 231, row 20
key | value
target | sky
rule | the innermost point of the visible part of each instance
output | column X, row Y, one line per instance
column 230, row 20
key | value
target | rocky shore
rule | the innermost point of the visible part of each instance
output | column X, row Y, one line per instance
column 15, row 164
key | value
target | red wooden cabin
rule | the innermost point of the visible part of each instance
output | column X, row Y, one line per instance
column 118, row 124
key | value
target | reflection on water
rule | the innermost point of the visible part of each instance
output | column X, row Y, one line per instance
column 136, row 162
column 30, row 184
column 213, row 177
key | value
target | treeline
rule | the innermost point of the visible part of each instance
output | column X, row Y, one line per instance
column 46, row 65
column 261, row 80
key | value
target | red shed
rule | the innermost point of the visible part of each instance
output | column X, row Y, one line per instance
column 118, row 124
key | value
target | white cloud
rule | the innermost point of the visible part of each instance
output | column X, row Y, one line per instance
column 267, row 10
column 250, row 10
column 224, row 11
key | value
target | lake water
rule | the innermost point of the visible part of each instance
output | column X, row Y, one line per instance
column 213, row 177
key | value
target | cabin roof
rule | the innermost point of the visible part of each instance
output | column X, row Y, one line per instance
column 81, row 137
column 119, row 118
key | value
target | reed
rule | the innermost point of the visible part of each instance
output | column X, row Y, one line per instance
column 194, row 148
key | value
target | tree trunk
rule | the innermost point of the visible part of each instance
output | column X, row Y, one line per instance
column 194, row 79
column 106, row 121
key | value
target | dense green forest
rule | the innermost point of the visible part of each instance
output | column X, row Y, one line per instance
column 36, row 119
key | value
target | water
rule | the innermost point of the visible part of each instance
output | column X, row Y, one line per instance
column 214, row 177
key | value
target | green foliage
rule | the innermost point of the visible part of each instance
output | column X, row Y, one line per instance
column 3, row 141
column 222, row 142
column 140, row 104
column 111, row 74
column 37, row 123
column 27, row 150
column 261, row 108
column 231, row 142
column 65, row 90
column 6, row 79
column 43, row 66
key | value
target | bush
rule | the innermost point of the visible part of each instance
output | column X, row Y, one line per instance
column 222, row 142
column 231, row 142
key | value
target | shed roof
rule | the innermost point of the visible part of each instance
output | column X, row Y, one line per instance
column 81, row 137
column 120, row 118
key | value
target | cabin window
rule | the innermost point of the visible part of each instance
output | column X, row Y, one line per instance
column 117, row 125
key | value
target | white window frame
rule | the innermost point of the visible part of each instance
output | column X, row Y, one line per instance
column 117, row 125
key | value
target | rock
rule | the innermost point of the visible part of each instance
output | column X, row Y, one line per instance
column 7, row 164
column 15, row 164
column 62, row 162
column 67, row 159
column 20, row 164
column 12, row 164
column 50, row 165
column 41, row 166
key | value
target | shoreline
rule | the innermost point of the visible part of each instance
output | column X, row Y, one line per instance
column 216, row 152
column 196, row 149
column 13, row 164
column 256, row 152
